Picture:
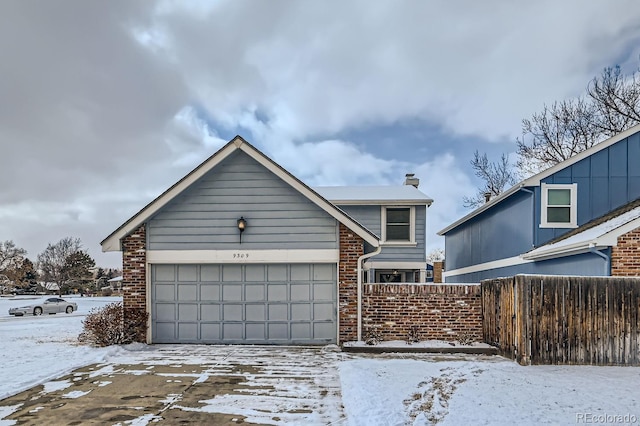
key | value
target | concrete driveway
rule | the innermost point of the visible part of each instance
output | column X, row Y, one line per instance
column 192, row 384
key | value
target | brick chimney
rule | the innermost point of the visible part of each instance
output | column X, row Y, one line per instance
column 410, row 179
column 438, row 268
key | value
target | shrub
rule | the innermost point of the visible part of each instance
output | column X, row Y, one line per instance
column 106, row 326
column 373, row 336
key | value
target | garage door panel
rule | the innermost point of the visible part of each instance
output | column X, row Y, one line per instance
column 278, row 331
column 300, row 331
column 188, row 273
column 277, row 292
column 210, row 332
column 254, row 313
column 187, row 312
column 187, row 292
column 210, row 312
column 323, row 311
column 299, row 291
column 278, row 312
column 209, row 292
column 164, row 273
column 232, row 312
column 254, row 273
column 232, row 331
column 210, row 273
column 277, row 273
column 232, row 273
column 165, row 292
column 244, row 303
column 166, row 312
column 300, row 272
column 255, row 332
column 232, row 292
column 188, row 331
column 323, row 291
column 254, row 292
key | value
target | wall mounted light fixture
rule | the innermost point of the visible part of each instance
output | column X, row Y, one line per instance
column 242, row 224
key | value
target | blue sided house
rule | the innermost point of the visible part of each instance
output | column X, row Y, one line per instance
column 579, row 217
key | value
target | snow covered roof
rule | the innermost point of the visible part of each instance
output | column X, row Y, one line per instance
column 604, row 234
column 399, row 194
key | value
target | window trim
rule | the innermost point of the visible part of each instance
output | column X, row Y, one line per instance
column 573, row 206
column 412, row 226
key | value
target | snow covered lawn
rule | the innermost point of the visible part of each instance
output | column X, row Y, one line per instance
column 386, row 389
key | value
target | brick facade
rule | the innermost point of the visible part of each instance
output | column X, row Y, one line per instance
column 625, row 257
column 134, row 277
column 441, row 312
column 351, row 248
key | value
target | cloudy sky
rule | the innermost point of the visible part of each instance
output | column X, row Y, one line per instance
column 105, row 104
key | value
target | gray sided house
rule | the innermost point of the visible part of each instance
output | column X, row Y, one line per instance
column 579, row 217
column 241, row 251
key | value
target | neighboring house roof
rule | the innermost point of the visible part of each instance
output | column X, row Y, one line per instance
column 115, row 280
column 536, row 179
column 401, row 194
column 599, row 233
column 112, row 242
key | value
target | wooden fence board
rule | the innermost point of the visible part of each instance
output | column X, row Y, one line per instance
column 563, row 320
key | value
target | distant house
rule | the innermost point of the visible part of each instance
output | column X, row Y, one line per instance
column 579, row 217
column 241, row 251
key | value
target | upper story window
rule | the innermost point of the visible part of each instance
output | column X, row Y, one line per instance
column 559, row 206
column 398, row 225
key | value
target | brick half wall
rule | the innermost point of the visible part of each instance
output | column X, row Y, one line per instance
column 448, row 312
column 134, row 281
column 625, row 257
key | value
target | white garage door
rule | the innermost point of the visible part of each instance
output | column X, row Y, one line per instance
column 248, row 303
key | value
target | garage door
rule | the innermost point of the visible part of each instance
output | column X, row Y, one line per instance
column 251, row 304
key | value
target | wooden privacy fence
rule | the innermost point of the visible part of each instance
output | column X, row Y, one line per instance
column 563, row 319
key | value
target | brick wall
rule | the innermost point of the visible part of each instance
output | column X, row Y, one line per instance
column 351, row 248
column 134, row 278
column 625, row 257
column 441, row 312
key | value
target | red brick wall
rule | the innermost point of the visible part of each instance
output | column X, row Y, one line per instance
column 441, row 312
column 625, row 257
column 351, row 248
column 134, row 277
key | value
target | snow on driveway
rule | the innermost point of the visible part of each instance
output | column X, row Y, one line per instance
column 339, row 388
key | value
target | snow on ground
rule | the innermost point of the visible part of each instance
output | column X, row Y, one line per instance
column 37, row 349
column 385, row 389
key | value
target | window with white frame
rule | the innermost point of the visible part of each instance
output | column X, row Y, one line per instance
column 398, row 225
column 559, row 206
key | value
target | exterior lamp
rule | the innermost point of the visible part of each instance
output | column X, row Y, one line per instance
column 242, row 224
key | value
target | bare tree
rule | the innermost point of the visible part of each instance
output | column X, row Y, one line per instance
column 496, row 176
column 10, row 255
column 52, row 260
column 435, row 255
column 616, row 99
column 564, row 129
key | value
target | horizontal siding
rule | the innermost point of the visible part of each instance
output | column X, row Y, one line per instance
column 204, row 217
column 370, row 217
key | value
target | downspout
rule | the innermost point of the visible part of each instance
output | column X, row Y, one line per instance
column 361, row 260
column 607, row 259
column 533, row 215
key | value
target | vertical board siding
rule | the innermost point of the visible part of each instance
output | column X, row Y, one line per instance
column 204, row 217
column 370, row 217
column 606, row 180
column 563, row 320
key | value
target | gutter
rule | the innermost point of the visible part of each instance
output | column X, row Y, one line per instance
column 607, row 259
column 361, row 259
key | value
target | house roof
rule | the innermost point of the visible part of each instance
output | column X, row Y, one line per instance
column 597, row 234
column 536, row 179
column 112, row 242
column 399, row 194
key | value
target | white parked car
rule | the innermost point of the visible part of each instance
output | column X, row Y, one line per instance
column 52, row 305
